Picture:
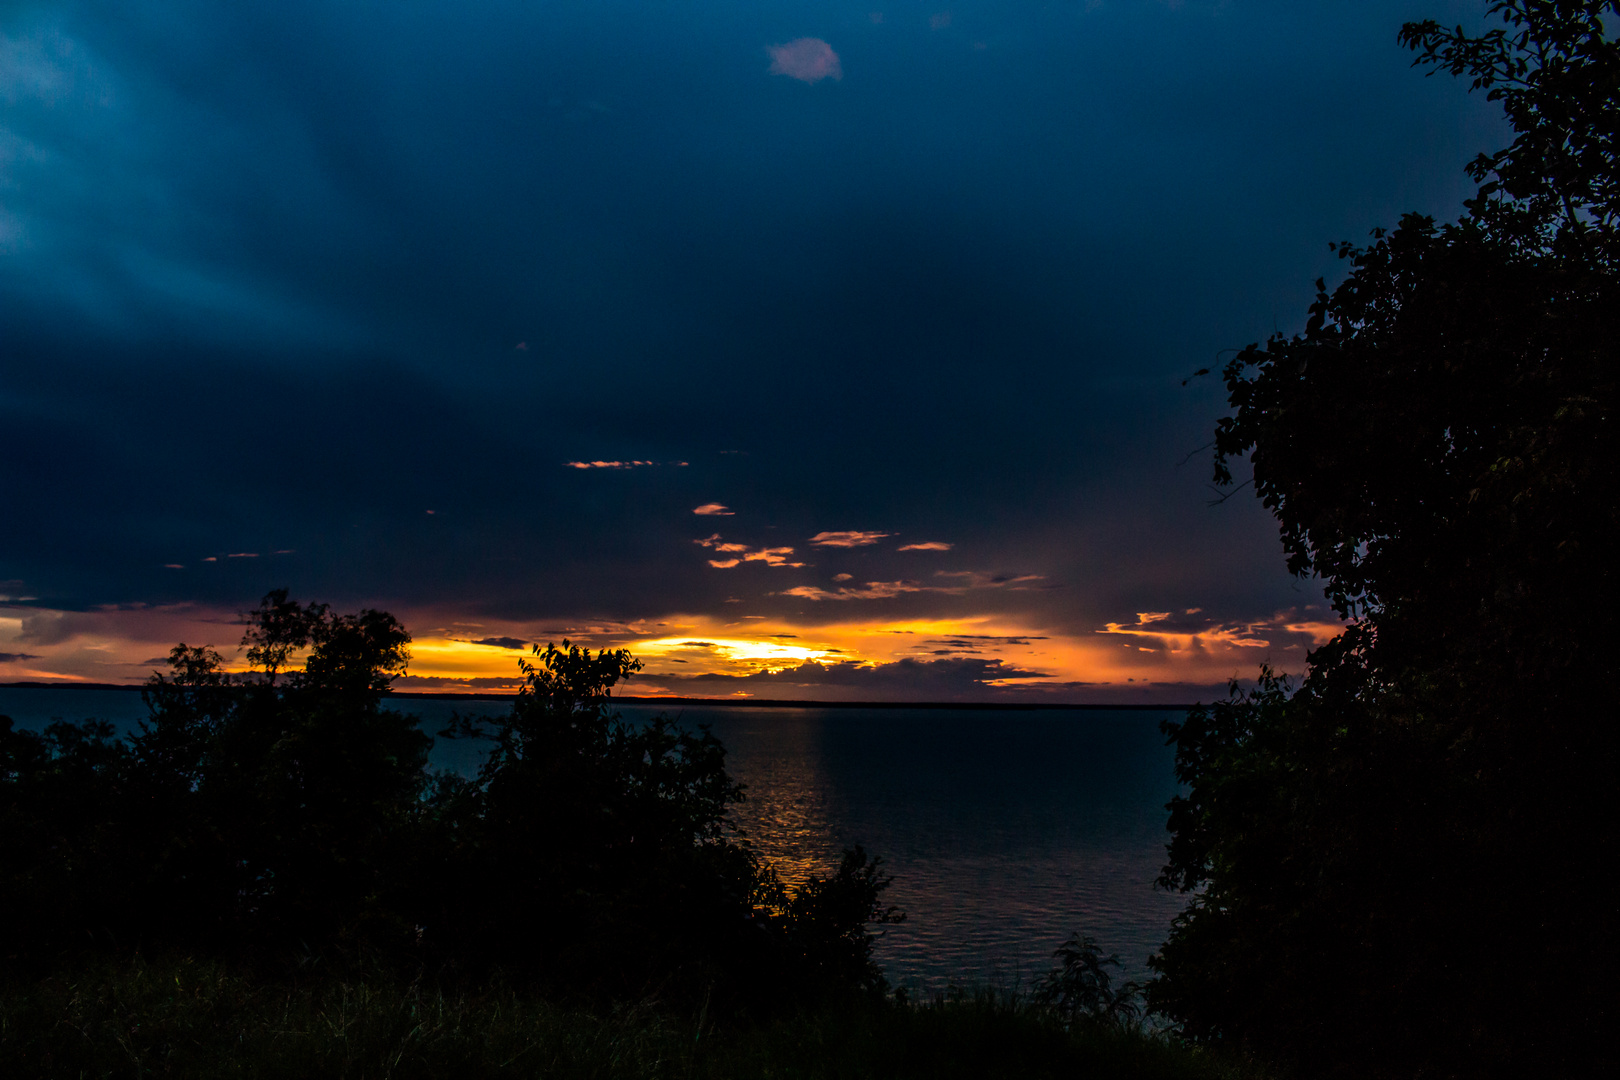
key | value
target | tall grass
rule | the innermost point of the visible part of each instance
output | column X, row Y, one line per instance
column 195, row 1018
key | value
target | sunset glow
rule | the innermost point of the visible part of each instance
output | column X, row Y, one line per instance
column 857, row 348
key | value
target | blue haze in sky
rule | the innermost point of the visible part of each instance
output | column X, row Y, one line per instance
column 285, row 277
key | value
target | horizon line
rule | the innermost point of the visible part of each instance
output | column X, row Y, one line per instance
column 758, row 703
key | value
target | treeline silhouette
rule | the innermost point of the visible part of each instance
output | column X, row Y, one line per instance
column 289, row 816
column 1396, row 869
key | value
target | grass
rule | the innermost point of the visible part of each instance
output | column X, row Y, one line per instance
column 185, row 1018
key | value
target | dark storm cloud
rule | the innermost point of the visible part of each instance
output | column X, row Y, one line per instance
column 914, row 680
column 503, row 642
column 347, row 287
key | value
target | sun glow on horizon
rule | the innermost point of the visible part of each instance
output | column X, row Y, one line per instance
column 747, row 655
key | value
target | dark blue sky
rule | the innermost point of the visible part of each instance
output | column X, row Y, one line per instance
column 283, row 278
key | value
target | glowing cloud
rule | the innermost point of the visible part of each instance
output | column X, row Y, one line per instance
column 806, row 59
column 1209, row 636
column 617, row 464
column 851, row 539
column 776, row 556
column 931, row 545
column 873, row 590
column 713, row 510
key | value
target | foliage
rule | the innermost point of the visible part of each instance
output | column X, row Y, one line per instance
column 179, row 1016
column 1079, row 989
column 249, row 811
column 604, row 853
column 1375, row 858
column 288, row 813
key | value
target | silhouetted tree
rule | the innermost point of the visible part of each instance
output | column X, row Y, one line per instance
column 288, row 810
column 602, row 853
column 1392, row 867
column 248, row 810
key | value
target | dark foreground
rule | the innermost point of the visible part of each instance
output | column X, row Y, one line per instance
column 184, row 1017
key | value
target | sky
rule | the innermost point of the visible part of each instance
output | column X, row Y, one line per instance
column 832, row 351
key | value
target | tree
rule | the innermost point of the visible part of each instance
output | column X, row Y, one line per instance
column 264, row 809
column 602, row 854
column 287, row 810
column 1390, row 867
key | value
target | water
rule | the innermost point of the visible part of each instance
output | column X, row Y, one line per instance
column 1004, row 830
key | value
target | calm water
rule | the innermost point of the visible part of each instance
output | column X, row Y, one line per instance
column 1004, row 830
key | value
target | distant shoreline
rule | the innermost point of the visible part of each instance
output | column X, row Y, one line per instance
column 757, row 703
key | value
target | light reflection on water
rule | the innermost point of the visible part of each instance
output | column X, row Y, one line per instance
column 1004, row 830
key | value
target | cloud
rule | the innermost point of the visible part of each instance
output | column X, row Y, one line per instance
column 850, row 539
column 1162, row 631
column 713, row 541
column 49, row 67
column 872, row 590
column 774, row 556
column 713, row 510
column 16, row 657
column 443, row 682
column 931, row 545
column 503, row 642
column 806, row 59
column 950, row 679
column 977, row 643
column 619, row 464
column 977, row 579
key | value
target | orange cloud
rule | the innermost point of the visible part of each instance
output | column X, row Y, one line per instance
column 931, row 545
column 1162, row 633
column 775, row 556
column 849, row 539
column 873, row 590
column 713, row 510
column 806, row 59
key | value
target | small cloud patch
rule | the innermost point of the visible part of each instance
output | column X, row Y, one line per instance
column 503, row 642
column 848, row 539
column 713, row 510
column 931, row 545
column 872, row 590
column 806, row 59
column 773, row 556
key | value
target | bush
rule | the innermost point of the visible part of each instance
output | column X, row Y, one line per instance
column 290, row 814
